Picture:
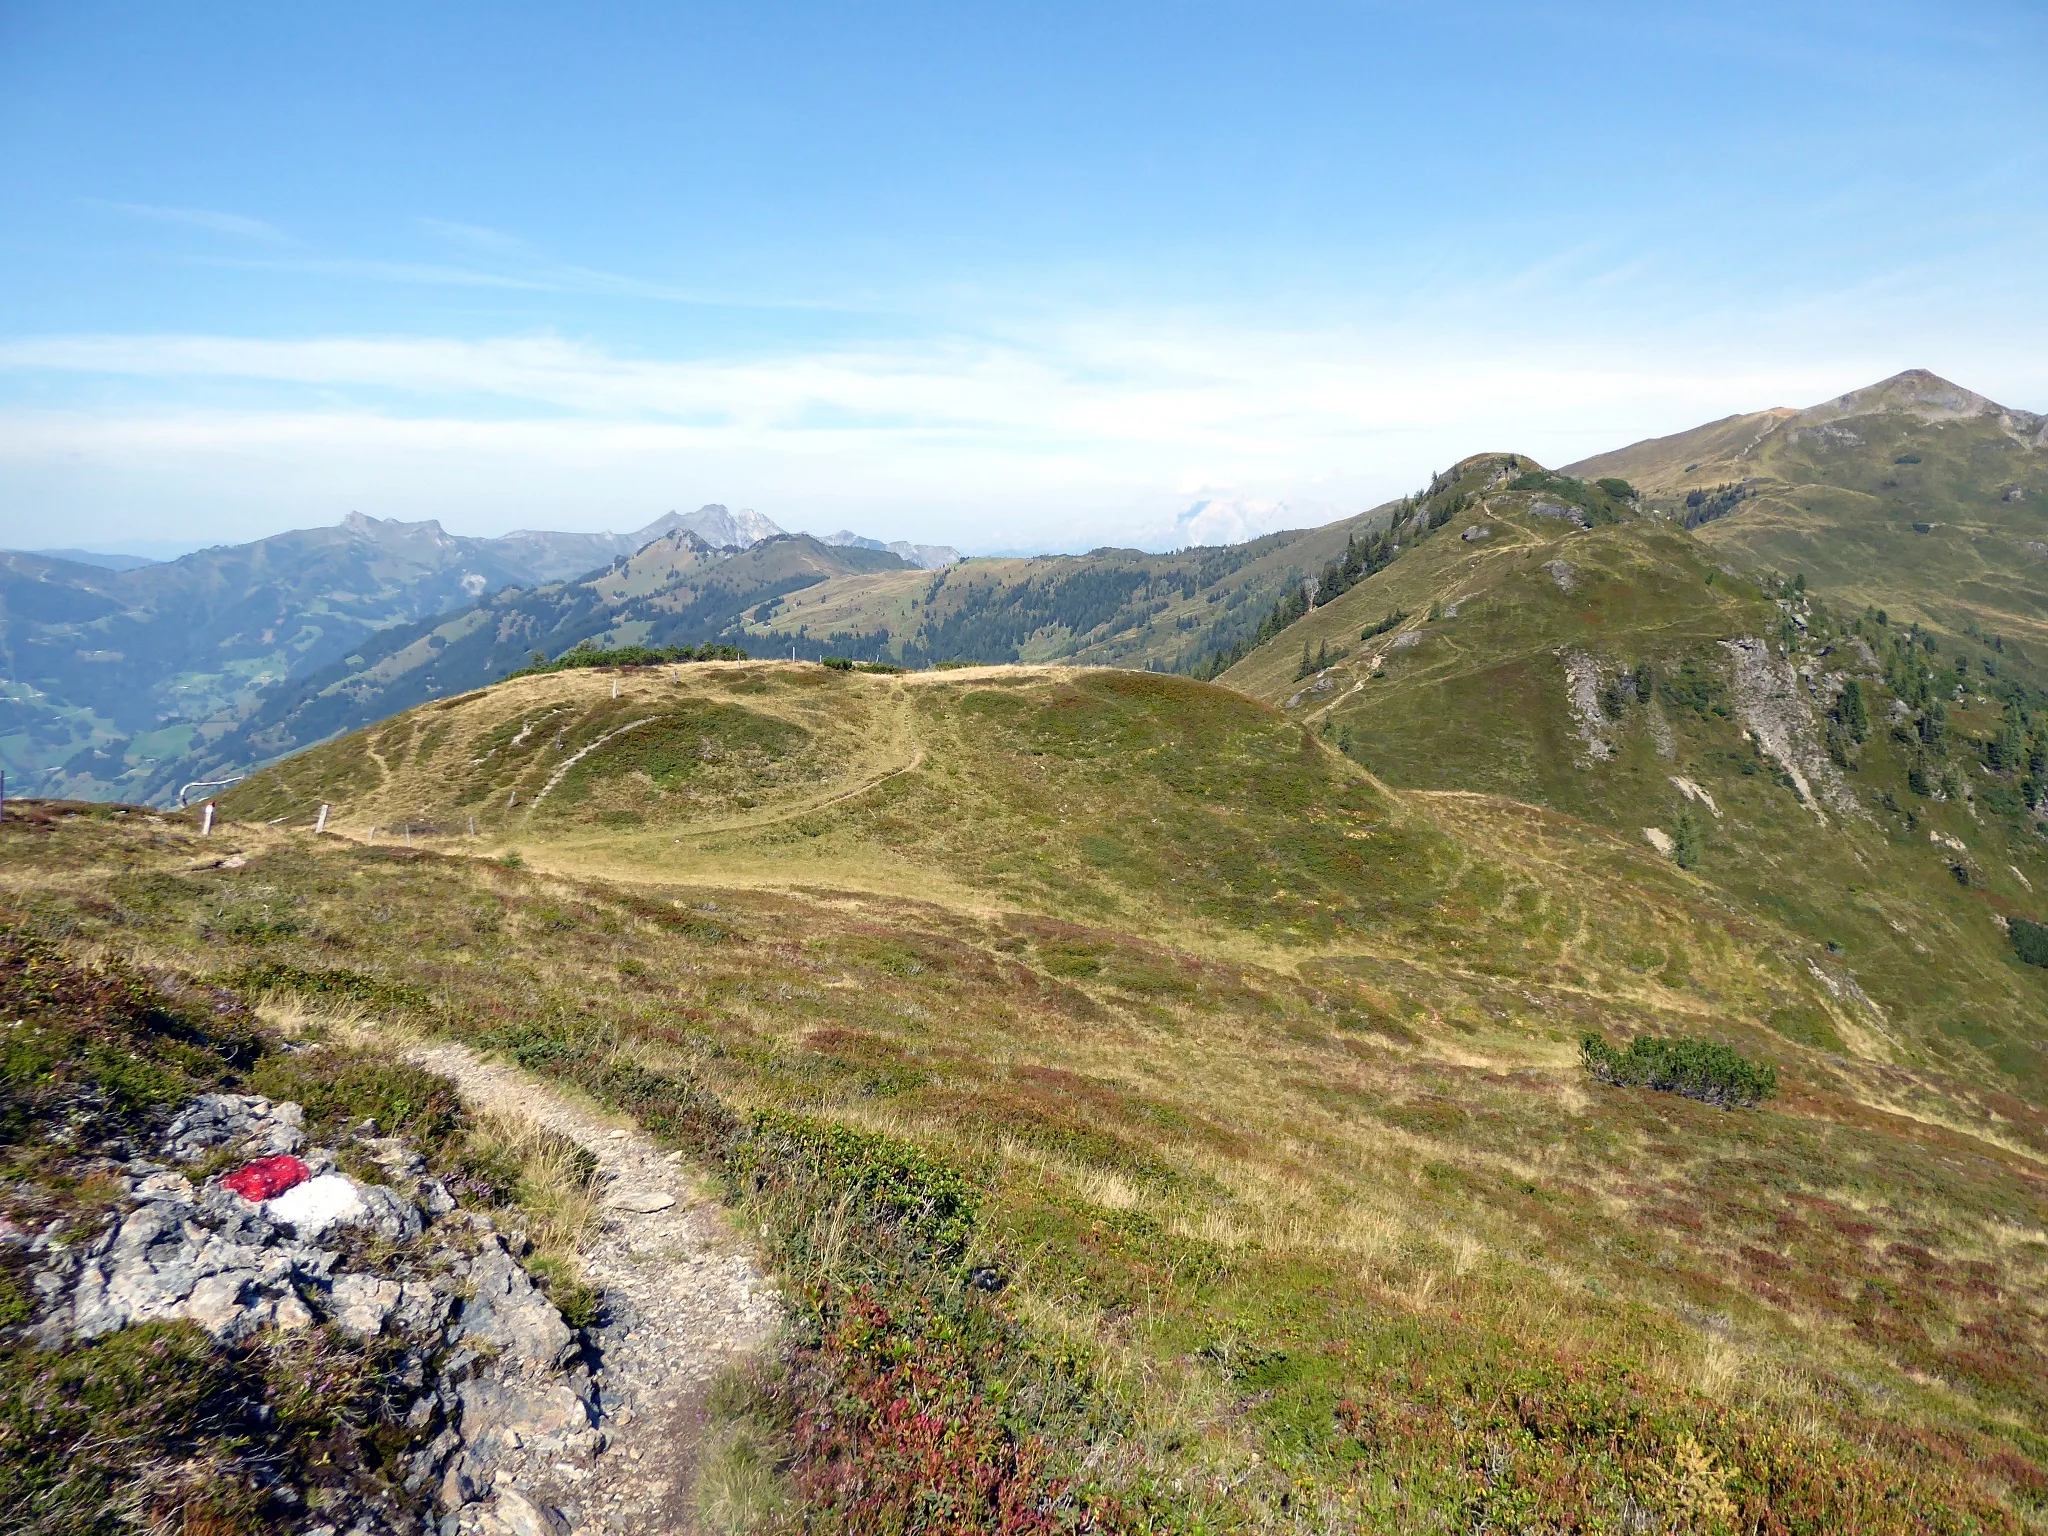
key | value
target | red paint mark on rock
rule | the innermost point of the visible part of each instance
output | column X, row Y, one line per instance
column 267, row 1176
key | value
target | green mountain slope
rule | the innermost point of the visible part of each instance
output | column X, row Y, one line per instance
column 1260, row 1073
column 1914, row 496
column 675, row 590
column 124, row 682
column 1617, row 674
column 1117, row 607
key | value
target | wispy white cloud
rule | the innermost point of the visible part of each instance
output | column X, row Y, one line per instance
column 363, row 269
column 1136, row 431
column 480, row 258
column 983, row 421
column 238, row 225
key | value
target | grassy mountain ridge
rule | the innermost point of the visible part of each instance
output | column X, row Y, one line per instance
column 1169, row 612
column 1618, row 675
column 1913, row 495
column 1264, row 1073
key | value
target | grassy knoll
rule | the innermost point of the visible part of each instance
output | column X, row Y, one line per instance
column 1189, row 1127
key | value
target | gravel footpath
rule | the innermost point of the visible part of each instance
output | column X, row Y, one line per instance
column 682, row 1295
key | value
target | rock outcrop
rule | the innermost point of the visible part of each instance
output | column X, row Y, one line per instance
column 498, row 1370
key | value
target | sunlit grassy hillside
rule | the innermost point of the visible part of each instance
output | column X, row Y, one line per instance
column 1618, row 675
column 1265, row 1075
column 1115, row 607
column 1914, row 495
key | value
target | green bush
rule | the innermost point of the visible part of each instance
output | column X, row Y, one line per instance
column 921, row 1195
column 1598, row 503
column 340, row 1090
column 2030, row 941
column 1693, row 1069
column 1691, row 687
column 588, row 655
column 1686, row 841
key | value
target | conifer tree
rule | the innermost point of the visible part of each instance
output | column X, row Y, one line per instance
column 1685, row 841
column 1851, row 710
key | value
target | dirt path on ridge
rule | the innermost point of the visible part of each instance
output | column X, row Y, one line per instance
column 688, row 1297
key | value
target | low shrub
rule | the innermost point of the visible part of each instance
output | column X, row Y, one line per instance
column 1693, row 1069
column 922, row 1196
column 2030, row 941
column 89, row 1053
column 632, row 656
column 340, row 1090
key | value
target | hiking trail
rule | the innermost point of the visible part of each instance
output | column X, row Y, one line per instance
column 683, row 1298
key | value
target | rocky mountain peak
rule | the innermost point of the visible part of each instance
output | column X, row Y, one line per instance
column 928, row 557
column 1918, row 393
column 384, row 530
column 715, row 525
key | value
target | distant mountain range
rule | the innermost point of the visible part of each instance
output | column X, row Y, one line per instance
column 926, row 557
column 122, row 677
column 1913, row 495
column 106, row 560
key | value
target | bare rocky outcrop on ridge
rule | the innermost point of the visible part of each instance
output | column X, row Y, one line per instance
column 1927, row 397
column 1693, row 791
column 1582, row 697
column 1773, row 701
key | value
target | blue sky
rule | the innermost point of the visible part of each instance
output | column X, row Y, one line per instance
column 1047, row 276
